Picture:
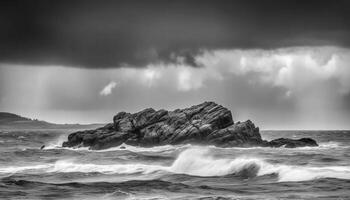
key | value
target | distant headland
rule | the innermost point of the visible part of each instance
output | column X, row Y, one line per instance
column 10, row 121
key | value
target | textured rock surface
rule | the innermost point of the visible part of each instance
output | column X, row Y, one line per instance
column 290, row 143
column 207, row 123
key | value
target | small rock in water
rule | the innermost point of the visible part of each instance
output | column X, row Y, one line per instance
column 292, row 143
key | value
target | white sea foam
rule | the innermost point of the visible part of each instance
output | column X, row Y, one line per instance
column 197, row 161
column 305, row 173
column 331, row 144
column 69, row 166
column 16, row 169
column 57, row 144
column 125, row 147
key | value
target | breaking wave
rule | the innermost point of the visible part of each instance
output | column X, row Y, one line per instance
column 57, row 143
column 198, row 161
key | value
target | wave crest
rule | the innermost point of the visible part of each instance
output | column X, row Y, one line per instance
column 198, row 161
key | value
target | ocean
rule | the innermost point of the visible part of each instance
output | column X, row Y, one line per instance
column 173, row 172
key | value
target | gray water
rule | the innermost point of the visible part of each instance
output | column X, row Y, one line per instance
column 174, row 172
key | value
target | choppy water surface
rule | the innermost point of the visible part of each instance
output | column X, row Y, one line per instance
column 174, row 172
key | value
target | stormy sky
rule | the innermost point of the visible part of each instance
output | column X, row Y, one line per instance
column 282, row 63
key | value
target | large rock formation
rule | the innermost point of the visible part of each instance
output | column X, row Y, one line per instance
column 207, row 124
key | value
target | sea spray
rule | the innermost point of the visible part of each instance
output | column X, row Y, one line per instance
column 199, row 161
column 236, row 173
column 194, row 161
column 57, row 142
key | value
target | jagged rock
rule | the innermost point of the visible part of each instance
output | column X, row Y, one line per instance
column 290, row 143
column 207, row 123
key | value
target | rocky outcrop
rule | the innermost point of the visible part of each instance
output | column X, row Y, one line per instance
column 205, row 124
column 290, row 143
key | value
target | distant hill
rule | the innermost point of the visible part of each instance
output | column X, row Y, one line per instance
column 13, row 121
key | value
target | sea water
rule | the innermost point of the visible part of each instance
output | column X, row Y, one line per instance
column 173, row 172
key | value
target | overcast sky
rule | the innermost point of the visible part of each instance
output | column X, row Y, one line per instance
column 283, row 64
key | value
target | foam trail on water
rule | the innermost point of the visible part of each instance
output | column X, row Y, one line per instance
column 163, row 148
column 68, row 166
column 298, row 173
column 123, row 147
column 199, row 162
column 330, row 144
column 196, row 161
column 17, row 169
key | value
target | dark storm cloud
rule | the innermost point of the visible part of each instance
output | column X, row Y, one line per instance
column 293, row 88
column 111, row 33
